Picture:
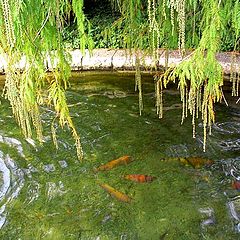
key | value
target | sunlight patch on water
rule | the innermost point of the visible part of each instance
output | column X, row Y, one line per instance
column 33, row 192
column 234, row 211
column 54, row 189
column 5, row 178
column 231, row 169
column 49, row 168
column 208, row 217
column 63, row 163
column 12, row 183
column 13, row 142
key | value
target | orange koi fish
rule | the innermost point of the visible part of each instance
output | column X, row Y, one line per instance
column 120, row 161
column 196, row 162
column 115, row 193
column 236, row 185
column 139, row 178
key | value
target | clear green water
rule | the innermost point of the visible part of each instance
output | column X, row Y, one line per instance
column 49, row 194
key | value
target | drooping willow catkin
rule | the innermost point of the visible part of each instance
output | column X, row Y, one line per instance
column 191, row 88
column 179, row 7
column 154, row 28
column 192, row 107
column 159, row 95
column 12, row 93
column 181, row 23
column 138, row 84
column 238, row 81
column 8, row 22
column 184, row 100
column 234, row 75
column 172, row 6
column 24, row 34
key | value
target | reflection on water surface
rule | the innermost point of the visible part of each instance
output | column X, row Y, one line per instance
column 47, row 194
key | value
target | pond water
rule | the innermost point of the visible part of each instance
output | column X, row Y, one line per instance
column 48, row 194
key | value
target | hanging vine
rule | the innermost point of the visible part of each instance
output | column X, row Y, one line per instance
column 34, row 30
column 235, row 67
column 198, row 73
column 35, row 38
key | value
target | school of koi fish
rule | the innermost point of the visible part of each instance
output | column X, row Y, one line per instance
column 195, row 162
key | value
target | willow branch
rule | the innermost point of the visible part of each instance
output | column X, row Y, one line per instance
column 41, row 28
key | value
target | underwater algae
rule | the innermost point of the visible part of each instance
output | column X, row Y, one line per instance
column 64, row 201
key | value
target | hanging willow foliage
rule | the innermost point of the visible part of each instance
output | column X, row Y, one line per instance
column 199, row 76
column 33, row 30
column 235, row 67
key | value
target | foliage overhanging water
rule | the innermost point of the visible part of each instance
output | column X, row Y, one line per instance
column 48, row 194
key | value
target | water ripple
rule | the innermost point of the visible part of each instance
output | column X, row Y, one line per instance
column 229, row 145
column 12, row 183
column 180, row 150
column 231, row 167
column 32, row 192
column 54, row 189
column 13, row 142
column 227, row 127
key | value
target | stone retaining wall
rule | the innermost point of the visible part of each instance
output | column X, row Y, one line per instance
column 105, row 59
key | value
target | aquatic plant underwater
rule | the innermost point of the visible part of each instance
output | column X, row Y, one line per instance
column 51, row 195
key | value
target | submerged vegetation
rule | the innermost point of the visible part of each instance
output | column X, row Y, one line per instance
column 37, row 29
column 62, row 199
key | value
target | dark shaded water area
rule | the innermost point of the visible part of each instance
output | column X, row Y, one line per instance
column 48, row 194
